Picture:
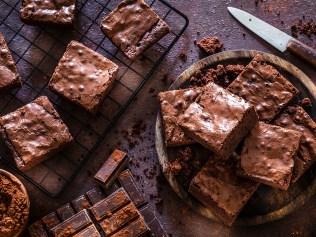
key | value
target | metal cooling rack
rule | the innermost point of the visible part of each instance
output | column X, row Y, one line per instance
column 37, row 50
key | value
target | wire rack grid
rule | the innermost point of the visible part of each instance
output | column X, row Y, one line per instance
column 37, row 50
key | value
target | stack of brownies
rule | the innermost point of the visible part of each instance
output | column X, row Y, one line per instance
column 276, row 142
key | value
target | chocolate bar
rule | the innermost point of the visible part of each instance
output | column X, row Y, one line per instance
column 137, row 228
column 119, row 219
column 127, row 181
column 51, row 220
column 37, row 230
column 72, row 225
column 95, row 195
column 111, row 168
column 65, row 212
column 109, row 205
column 90, row 231
column 80, row 203
column 152, row 221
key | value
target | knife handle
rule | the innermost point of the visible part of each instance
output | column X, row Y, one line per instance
column 302, row 50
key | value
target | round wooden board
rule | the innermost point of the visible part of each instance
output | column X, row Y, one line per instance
column 267, row 204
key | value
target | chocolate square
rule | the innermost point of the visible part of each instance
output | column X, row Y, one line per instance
column 172, row 104
column 264, row 87
column 218, row 120
column 133, row 27
column 90, row 231
column 219, row 188
column 295, row 117
column 137, row 228
column 83, row 76
column 9, row 76
column 61, row 12
column 34, row 132
column 268, row 155
column 111, row 168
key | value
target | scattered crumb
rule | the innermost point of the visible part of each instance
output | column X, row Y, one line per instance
column 306, row 102
column 183, row 57
column 221, row 75
column 307, row 28
column 210, row 45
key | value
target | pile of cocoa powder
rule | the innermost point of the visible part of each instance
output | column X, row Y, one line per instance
column 13, row 207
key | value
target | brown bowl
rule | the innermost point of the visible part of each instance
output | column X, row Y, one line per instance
column 19, row 183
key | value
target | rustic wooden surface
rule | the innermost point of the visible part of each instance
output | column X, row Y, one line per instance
column 207, row 17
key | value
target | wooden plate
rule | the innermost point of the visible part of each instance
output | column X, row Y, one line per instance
column 267, row 204
column 19, row 183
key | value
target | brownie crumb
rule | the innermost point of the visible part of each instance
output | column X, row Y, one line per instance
column 306, row 102
column 221, row 75
column 210, row 45
column 307, row 28
column 183, row 57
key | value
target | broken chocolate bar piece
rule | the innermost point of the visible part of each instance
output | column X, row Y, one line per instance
column 152, row 221
column 61, row 12
column 80, row 203
column 83, row 76
column 109, row 171
column 9, row 76
column 133, row 27
column 65, row 212
column 218, row 120
column 95, row 195
column 137, row 228
column 268, row 155
column 50, row 220
column 37, row 230
column 109, row 205
column 90, row 231
column 264, row 87
column 72, row 225
column 128, row 182
column 118, row 219
column 295, row 117
column 172, row 104
column 219, row 188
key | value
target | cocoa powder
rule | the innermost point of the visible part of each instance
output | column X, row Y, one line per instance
column 13, row 207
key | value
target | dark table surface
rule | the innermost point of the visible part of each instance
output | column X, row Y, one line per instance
column 207, row 17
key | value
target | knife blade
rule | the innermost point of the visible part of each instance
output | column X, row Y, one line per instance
column 274, row 36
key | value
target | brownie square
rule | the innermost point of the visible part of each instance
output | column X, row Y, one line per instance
column 83, row 76
column 133, row 27
column 172, row 104
column 61, row 12
column 268, row 155
column 219, row 188
column 9, row 76
column 218, row 120
column 264, row 87
column 34, row 132
column 295, row 117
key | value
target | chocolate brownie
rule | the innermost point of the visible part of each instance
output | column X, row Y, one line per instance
column 172, row 104
column 295, row 117
column 34, row 132
column 263, row 86
column 219, row 188
column 83, row 76
column 268, row 155
column 61, row 12
column 133, row 27
column 210, row 45
column 218, row 120
column 9, row 76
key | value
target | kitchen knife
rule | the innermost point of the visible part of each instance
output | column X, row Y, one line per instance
column 274, row 36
